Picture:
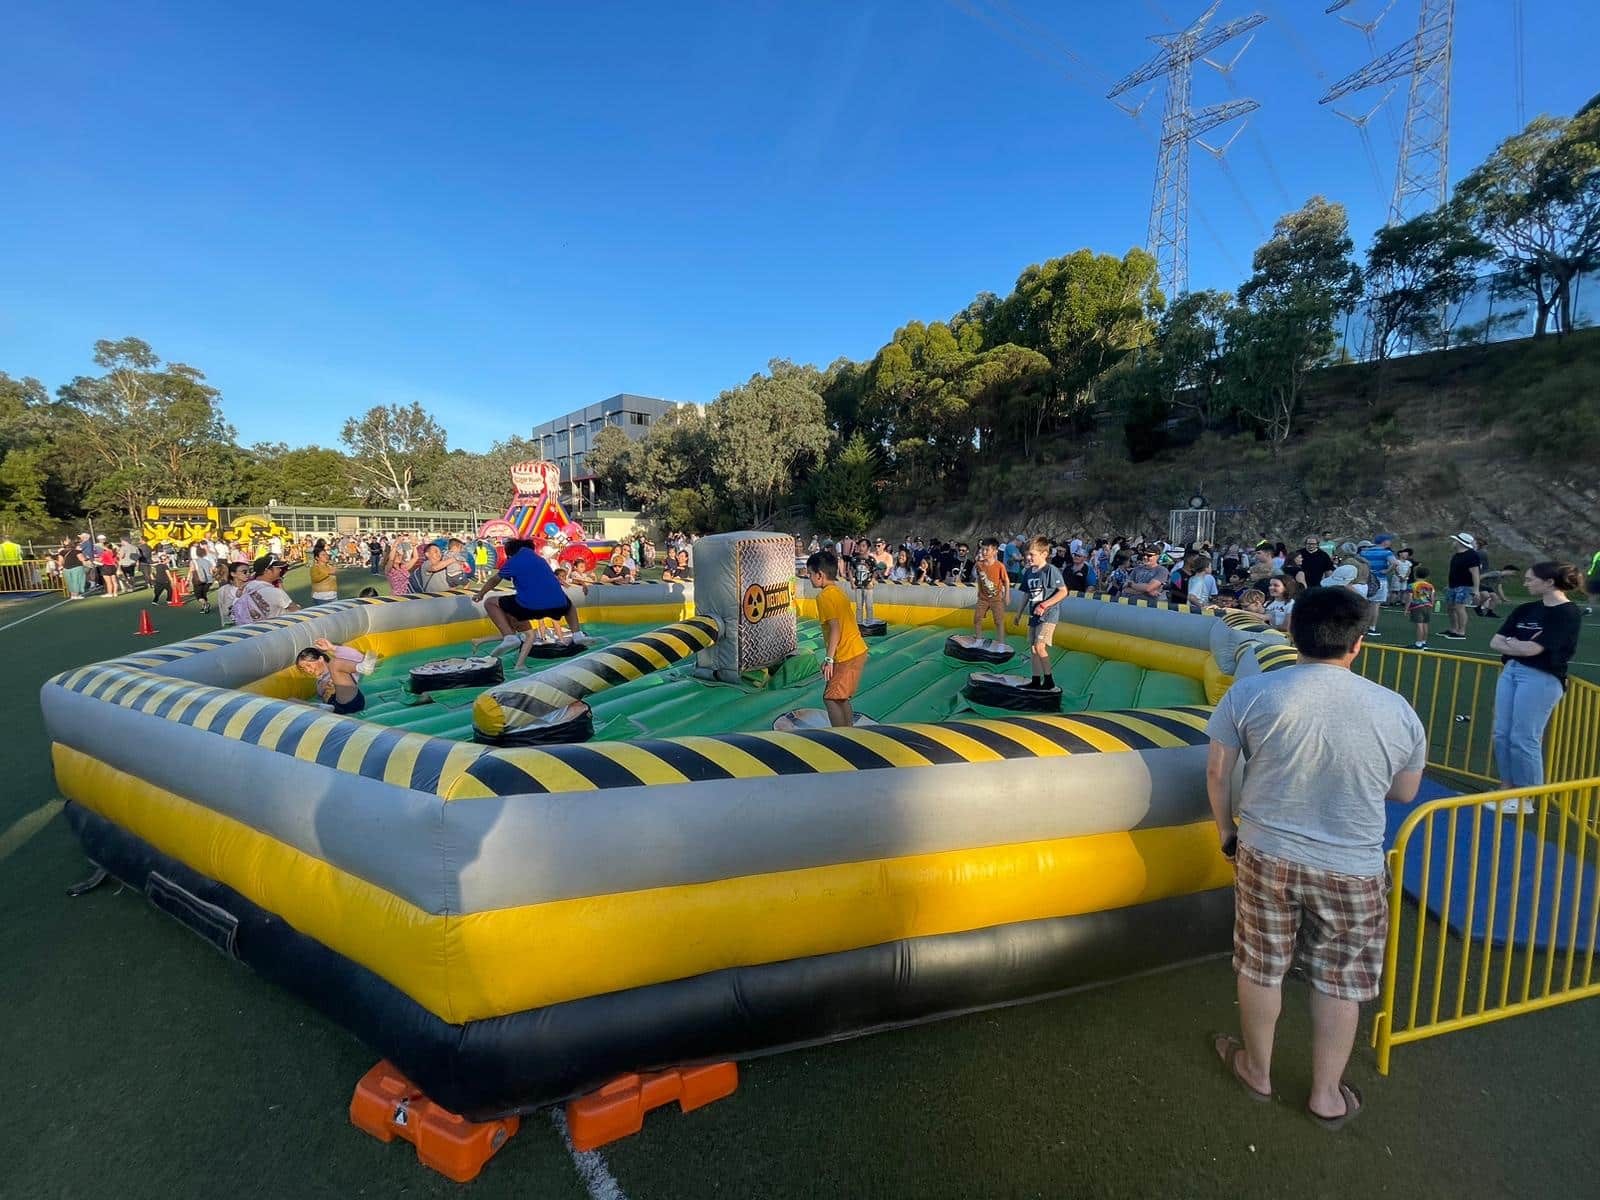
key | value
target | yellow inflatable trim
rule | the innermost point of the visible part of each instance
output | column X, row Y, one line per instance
column 487, row 964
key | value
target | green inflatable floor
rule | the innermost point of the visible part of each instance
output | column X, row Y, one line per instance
column 908, row 678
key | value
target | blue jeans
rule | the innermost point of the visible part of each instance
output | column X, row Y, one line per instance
column 1523, row 701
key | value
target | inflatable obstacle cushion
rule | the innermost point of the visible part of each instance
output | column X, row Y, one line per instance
column 480, row 670
column 976, row 649
column 1010, row 692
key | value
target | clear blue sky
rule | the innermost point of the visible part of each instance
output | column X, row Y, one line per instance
column 505, row 210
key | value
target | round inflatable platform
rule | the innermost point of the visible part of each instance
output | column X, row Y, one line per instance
column 1010, row 692
column 574, row 723
column 811, row 718
column 873, row 628
column 565, row 648
column 974, row 649
column 480, row 670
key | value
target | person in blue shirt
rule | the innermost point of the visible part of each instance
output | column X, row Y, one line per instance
column 538, row 597
column 1379, row 556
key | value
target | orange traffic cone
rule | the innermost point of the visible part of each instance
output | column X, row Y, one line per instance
column 177, row 597
column 145, row 628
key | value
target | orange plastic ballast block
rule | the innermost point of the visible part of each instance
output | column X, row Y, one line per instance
column 617, row 1110
column 388, row 1105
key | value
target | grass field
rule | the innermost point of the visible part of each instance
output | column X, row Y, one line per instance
column 138, row 1063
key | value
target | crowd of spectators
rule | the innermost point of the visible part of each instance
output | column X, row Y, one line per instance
column 1264, row 577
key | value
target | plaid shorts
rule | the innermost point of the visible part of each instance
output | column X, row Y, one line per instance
column 1336, row 925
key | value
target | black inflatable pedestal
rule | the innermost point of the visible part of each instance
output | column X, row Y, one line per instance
column 970, row 649
column 873, row 628
column 801, row 719
column 1009, row 692
column 562, row 649
column 478, row 671
column 575, row 723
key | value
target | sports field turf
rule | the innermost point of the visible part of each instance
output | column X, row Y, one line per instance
column 138, row 1063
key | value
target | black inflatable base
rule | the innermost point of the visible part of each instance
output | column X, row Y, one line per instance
column 801, row 719
column 873, row 628
column 955, row 648
column 1006, row 691
column 564, row 649
column 525, row 1060
column 577, row 728
column 481, row 670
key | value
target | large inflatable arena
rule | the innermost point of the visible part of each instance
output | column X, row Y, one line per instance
column 638, row 852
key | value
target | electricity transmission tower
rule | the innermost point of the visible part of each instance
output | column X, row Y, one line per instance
column 1168, row 237
column 1422, row 177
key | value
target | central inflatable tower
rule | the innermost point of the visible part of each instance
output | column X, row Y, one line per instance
column 746, row 582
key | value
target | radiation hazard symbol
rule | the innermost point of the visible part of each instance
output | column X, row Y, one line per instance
column 762, row 600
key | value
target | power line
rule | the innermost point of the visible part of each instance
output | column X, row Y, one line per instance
column 1518, row 63
column 1053, row 63
column 1060, row 46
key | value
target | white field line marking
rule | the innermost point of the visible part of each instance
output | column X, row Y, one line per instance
column 592, row 1170
column 32, row 615
column 1490, row 656
column 24, row 827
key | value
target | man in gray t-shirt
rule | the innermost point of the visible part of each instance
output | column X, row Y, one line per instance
column 1323, row 750
column 1149, row 577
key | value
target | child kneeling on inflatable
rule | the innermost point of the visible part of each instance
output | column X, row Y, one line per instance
column 1043, row 589
column 538, row 597
column 337, row 671
column 846, row 650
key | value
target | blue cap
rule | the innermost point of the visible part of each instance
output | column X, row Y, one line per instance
column 1381, row 538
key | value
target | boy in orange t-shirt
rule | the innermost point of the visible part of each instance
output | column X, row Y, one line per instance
column 994, row 589
column 845, row 649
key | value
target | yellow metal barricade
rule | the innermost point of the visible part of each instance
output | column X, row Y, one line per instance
column 1508, row 929
column 1511, row 926
column 1572, row 743
column 29, row 575
column 1454, row 696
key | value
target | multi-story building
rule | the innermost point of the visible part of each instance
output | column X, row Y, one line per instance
column 567, row 440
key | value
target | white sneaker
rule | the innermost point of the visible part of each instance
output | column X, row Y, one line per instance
column 1509, row 807
column 581, row 638
column 369, row 663
column 510, row 642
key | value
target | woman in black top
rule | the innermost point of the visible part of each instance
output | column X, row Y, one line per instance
column 1535, row 644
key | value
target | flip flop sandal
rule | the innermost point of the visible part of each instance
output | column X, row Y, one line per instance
column 1351, row 1110
column 1230, row 1063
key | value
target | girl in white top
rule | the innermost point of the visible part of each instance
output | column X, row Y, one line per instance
column 1202, row 583
column 1280, row 601
column 238, row 573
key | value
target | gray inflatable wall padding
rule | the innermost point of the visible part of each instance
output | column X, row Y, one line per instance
column 627, row 595
column 389, row 836
column 1185, row 627
column 539, row 847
